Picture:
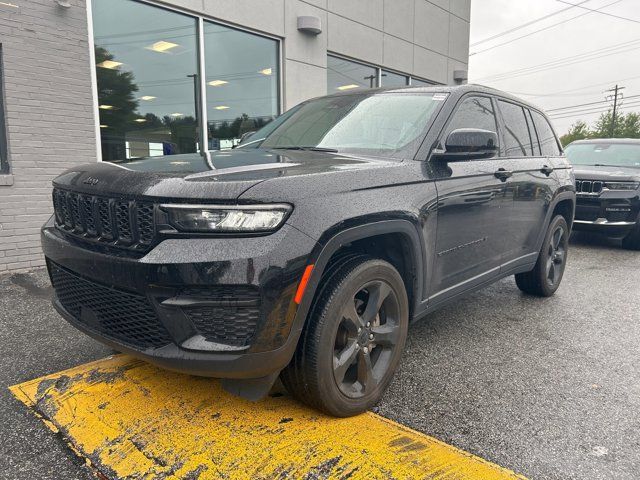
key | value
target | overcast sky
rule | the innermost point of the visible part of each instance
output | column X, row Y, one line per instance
column 587, row 38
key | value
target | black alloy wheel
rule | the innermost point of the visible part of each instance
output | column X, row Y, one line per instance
column 366, row 336
column 545, row 278
column 353, row 338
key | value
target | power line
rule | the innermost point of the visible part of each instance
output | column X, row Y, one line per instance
column 592, row 111
column 541, row 29
column 561, row 92
column 585, row 104
column 573, row 59
column 601, row 13
column 514, row 29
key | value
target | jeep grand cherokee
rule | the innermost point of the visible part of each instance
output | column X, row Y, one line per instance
column 307, row 251
column 607, row 175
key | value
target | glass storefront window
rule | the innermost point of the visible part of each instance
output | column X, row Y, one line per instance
column 343, row 75
column 242, row 73
column 416, row 82
column 391, row 79
column 146, row 66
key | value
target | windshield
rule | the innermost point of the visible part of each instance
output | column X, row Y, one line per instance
column 609, row 154
column 382, row 124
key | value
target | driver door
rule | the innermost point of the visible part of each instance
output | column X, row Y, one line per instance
column 473, row 209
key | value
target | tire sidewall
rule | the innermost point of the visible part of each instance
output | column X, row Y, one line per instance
column 559, row 220
column 336, row 401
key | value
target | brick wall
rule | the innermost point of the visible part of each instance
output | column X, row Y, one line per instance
column 49, row 116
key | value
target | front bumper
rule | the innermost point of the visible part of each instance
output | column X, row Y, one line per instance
column 613, row 213
column 116, row 299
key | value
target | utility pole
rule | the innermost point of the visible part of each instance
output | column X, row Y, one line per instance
column 615, row 91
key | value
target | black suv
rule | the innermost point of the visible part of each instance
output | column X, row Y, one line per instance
column 607, row 175
column 308, row 250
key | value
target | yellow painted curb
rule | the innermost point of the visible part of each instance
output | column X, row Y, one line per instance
column 132, row 420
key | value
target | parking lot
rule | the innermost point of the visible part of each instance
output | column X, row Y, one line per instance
column 549, row 388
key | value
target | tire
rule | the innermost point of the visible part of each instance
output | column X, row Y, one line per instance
column 331, row 346
column 545, row 278
column 632, row 240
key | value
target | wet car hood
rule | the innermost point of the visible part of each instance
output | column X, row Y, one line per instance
column 588, row 172
column 190, row 176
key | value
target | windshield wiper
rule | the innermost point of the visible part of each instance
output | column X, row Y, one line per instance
column 310, row 149
column 614, row 166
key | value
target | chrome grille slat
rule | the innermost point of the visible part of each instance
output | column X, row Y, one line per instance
column 117, row 222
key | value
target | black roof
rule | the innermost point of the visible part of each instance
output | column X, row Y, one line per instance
column 457, row 89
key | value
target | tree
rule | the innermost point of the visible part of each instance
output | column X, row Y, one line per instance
column 627, row 126
column 578, row 131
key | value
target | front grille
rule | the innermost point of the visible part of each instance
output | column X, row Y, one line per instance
column 591, row 187
column 122, row 316
column 120, row 223
column 230, row 317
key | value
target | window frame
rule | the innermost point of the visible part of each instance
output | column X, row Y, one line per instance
column 5, row 166
column 503, row 126
column 553, row 130
column 492, row 99
column 380, row 69
column 201, row 65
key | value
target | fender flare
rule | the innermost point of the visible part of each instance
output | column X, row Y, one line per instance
column 560, row 197
column 325, row 250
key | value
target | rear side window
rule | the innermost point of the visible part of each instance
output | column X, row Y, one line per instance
column 517, row 141
column 548, row 140
column 472, row 112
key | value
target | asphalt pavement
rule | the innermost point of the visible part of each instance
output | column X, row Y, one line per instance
column 547, row 387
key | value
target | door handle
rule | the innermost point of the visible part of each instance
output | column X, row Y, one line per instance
column 547, row 170
column 502, row 174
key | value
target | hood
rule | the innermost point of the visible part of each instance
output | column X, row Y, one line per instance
column 606, row 173
column 189, row 176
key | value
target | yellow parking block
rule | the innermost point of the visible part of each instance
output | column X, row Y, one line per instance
column 132, row 420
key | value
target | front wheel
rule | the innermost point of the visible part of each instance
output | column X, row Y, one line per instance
column 545, row 278
column 353, row 339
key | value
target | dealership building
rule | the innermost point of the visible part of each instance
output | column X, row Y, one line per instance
column 111, row 80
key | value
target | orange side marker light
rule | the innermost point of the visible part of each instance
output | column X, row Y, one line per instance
column 303, row 284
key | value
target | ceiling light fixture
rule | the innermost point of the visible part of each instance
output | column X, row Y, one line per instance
column 140, row 120
column 162, row 46
column 147, row 98
column 217, row 83
column 110, row 64
column 176, row 114
column 266, row 71
column 106, row 107
column 348, row 87
column 104, row 126
column 221, row 107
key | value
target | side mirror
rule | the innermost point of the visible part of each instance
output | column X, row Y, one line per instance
column 468, row 144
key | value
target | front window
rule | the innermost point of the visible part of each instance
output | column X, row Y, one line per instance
column 605, row 154
column 383, row 124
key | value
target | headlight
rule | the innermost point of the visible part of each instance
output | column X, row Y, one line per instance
column 621, row 185
column 226, row 219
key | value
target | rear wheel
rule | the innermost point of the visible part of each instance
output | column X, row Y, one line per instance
column 353, row 338
column 545, row 278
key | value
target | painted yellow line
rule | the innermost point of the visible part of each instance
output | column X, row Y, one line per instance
column 132, row 420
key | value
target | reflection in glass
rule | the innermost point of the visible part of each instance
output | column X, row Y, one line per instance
column 390, row 79
column 242, row 83
column 146, row 66
column 343, row 75
column 388, row 124
column 416, row 82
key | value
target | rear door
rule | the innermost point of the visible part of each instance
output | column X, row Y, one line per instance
column 530, row 187
column 473, row 210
